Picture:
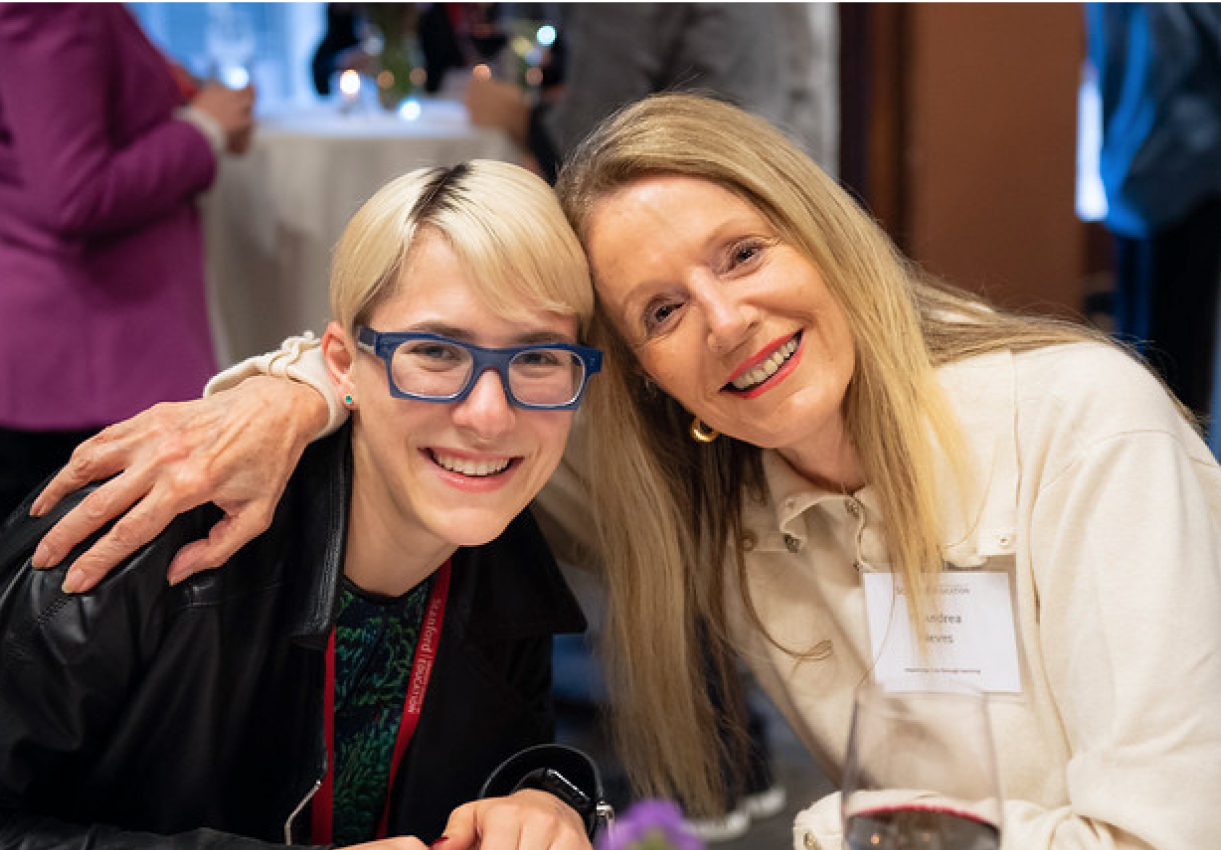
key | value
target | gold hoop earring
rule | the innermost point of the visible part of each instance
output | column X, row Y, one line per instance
column 701, row 433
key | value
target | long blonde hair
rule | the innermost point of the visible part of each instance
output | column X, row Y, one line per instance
column 669, row 510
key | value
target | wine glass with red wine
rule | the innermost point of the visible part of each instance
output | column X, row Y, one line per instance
column 921, row 772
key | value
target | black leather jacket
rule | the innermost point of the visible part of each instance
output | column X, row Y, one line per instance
column 141, row 715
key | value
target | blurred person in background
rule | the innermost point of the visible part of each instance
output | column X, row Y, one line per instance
column 1159, row 79
column 773, row 59
column 104, row 148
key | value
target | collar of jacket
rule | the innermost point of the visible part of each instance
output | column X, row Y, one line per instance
column 507, row 589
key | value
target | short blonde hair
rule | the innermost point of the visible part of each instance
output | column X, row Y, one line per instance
column 502, row 222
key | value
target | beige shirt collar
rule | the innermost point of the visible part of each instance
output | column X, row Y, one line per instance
column 974, row 528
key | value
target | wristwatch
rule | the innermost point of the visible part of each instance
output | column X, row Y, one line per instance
column 562, row 771
column 594, row 813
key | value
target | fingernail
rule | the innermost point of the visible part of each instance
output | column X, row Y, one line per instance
column 176, row 573
column 74, row 582
column 41, row 556
column 37, row 509
column 438, row 842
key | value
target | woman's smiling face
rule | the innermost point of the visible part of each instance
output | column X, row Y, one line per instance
column 455, row 473
column 727, row 318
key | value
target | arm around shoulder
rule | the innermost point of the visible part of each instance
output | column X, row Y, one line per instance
column 298, row 359
column 235, row 448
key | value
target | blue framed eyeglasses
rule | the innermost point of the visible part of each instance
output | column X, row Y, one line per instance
column 429, row 367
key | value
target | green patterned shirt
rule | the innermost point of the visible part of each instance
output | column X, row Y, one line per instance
column 375, row 641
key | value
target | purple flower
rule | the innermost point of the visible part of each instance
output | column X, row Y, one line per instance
column 650, row 825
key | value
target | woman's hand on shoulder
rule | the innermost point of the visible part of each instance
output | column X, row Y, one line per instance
column 525, row 820
column 236, row 449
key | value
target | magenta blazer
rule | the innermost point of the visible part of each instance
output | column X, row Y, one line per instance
column 102, row 303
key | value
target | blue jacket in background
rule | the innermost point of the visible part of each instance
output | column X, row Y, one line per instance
column 1159, row 76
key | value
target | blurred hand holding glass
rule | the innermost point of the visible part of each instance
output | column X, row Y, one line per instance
column 921, row 772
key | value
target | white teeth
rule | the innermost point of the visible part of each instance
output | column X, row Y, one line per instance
column 767, row 368
column 473, row 468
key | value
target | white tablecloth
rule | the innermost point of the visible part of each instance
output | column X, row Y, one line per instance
column 274, row 214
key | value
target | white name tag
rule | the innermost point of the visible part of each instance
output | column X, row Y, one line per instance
column 971, row 639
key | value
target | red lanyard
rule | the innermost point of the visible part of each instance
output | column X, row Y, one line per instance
column 323, row 809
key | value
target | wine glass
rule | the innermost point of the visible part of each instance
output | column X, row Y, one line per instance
column 230, row 42
column 921, row 772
